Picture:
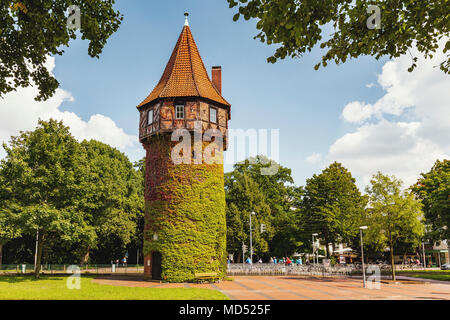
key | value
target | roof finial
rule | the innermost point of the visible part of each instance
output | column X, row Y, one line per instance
column 186, row 22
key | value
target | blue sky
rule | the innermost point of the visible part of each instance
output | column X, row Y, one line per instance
column 306, row 105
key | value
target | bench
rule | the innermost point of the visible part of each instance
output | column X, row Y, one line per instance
column 211, row 276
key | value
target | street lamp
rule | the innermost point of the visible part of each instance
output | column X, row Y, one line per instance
column 362, row 254
column 251, row 244
column 313, row 247
column 424, row 259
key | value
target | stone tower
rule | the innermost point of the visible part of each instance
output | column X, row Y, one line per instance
column 185, row 227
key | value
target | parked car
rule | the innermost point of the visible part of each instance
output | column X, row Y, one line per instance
column 445, row 266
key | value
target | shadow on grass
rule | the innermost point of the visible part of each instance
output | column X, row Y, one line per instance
column 31, row 278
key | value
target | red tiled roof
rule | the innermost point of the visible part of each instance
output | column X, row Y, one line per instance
column 185, row 74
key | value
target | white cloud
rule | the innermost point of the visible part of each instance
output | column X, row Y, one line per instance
column 314, row 158
column 356, row 112
column 370, row 85
column 406, row 130
column 20, row 112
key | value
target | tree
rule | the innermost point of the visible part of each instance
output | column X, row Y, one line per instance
column 411, row 243
column 276, row 192
column 43, row 184
column 281, row 196
column 297, row 26
column 433, row 189
column 8, row 231
column 31, row 30
column 113, row 201
column 332, row 206
column 392, row 215
column 287, row 237
column 137, row 241
column 243, row 196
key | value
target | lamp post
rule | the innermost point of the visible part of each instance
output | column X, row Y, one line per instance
column 423, row 253
column 314, row 248
column 362, row 254
column 251, row 243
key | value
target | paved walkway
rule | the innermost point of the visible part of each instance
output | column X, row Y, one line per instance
column 301, row 288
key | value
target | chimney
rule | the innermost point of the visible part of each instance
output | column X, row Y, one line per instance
column 217, row 78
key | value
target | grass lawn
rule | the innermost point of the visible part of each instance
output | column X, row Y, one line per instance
column 443, row 275
column 55, row 288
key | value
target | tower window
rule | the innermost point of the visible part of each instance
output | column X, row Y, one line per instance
column 149, row 117
column 212, row 115
column 179, row 112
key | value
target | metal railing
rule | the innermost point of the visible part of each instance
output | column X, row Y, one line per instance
column 279, row 269
column 67, row 268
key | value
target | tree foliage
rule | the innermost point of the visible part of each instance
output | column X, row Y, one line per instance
column 392, row 215
column 113, row 201
column 297, row 26
column 243, row 196
column 43, row 184
column 78, row 197
column 271, row 197
column 32, row 30
column 433, row 189
column 332, row 205
column 8, row 229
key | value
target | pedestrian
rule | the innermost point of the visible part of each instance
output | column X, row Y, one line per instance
column 260, row 260
column 288, row 261
column 274, row 260
column 271, row 260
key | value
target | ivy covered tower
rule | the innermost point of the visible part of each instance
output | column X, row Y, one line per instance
column 185, row 227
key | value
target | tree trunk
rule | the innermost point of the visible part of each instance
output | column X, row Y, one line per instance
column 391, row 249
column 327, row 251
column 40, row 245
column 85, row 259
column 1, row 254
